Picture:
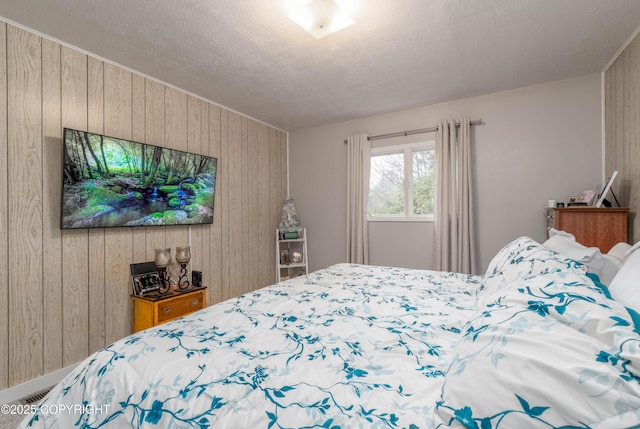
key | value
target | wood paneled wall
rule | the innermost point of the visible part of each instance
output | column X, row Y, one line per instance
column 622, row 131
column 66, row 293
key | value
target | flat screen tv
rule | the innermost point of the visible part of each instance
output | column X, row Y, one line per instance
column 110, row 182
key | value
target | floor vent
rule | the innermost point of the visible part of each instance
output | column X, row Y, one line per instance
column 36, row 397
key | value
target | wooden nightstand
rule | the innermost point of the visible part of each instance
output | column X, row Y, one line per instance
column 153, row 310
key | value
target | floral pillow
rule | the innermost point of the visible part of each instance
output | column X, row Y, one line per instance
column 547, row 351
column 522, row 258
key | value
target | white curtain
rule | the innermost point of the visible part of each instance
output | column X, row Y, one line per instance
column 358, row 161
column 454, row 218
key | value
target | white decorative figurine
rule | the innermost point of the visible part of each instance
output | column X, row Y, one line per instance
column 289, row 222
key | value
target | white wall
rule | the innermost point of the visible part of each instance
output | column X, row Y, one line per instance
column 538, row 143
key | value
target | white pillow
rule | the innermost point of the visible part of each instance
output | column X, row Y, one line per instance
column 619, row 250
column 631, row 250
column 612, row 265
column 554, row 232
column 625, row 286
column 565, row 244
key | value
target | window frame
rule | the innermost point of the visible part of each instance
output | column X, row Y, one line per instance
column 407, row 150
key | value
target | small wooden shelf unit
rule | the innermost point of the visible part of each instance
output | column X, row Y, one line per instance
column 286, row 265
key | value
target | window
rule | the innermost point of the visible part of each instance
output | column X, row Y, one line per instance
column 402, row 182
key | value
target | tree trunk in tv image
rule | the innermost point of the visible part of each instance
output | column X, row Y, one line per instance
column 109, row 182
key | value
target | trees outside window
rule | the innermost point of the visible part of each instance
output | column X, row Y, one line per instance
column 402, row 182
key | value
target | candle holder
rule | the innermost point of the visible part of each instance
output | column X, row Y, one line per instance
column 163, row 259
column 183, row 256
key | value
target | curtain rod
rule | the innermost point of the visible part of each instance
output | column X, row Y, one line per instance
column 412, row 132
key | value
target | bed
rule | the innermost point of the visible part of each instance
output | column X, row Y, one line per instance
column 536, row 342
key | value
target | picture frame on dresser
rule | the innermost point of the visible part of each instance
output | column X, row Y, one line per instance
column 144, row 278
column 606, row 189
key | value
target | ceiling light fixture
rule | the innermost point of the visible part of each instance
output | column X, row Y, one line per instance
column 321, row 17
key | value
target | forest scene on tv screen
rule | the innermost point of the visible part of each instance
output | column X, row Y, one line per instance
column 109, row 182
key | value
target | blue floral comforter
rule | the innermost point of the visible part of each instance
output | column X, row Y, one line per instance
column 348, row 346
column 534, row 343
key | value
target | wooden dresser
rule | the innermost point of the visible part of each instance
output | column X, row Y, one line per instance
column 153, row 310
column 592, row 226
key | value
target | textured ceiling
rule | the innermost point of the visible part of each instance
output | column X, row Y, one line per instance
column 248, row 56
